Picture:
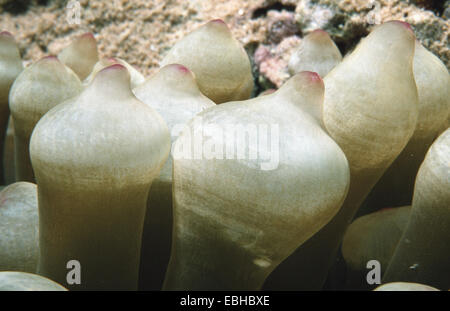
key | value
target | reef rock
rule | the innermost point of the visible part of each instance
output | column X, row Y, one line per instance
column 141, row 32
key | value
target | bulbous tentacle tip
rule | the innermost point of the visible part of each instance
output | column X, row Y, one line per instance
column 88, row 35
column 180, row 68
column 319, row 35
column 178, row 72
column 267, row 92
column 86, row 39
column 319, row 32
column 308, row 81
column 403, row 24
column 117, row 77
column 218, row 21
column 6, row 34
column 312, row 77
column 49, row 58
column 394, row 29
column 114, row 67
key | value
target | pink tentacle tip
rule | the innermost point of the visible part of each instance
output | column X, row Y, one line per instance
column 6, row 33
column 314, row 77
column 88, row 35
column 114, row 67
column 50, row 57
column 218, row 21
column 320, row 31
column 182, row 68
column 319, row 35
column 404, row 24
column 269, row 91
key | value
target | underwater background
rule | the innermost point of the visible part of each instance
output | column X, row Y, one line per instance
column 141, row 32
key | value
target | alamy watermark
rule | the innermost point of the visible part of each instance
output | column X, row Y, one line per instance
column 73, row 10
column 374, row 16
column 73, row 277
column 374, row 275
column 259, row 143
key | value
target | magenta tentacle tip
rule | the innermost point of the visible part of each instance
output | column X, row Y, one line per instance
column 88, row 35
column 218, row 21
column 319, row 31
column 114, row 67
column 314, row 77
column 181, row 68
column 49, row 57
column 404, row 24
